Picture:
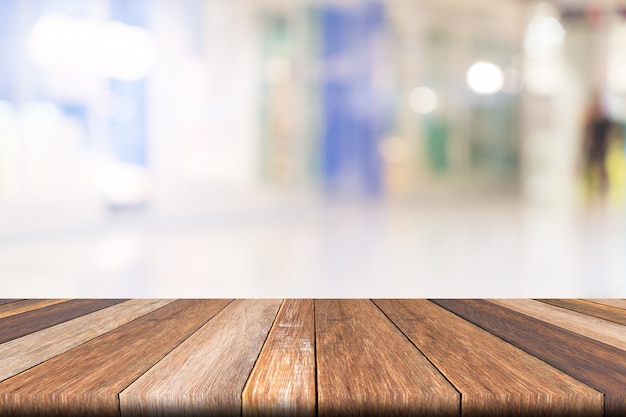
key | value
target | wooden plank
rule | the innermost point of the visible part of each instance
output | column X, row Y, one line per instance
column 598, row 365
column 494, row 377
column 206, row 374
column 22, row 306
column 8, row 300
column 35, row 348
column 86, row 380
column 32, row 321
column 601, row 311
column 366, row 366
column 592, row 327
column 615, row 302
column 283, row 380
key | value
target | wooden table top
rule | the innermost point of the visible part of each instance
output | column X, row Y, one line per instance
column 306, row 357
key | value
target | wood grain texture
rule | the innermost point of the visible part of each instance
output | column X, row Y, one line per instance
column 494, row 377
column 592, row 327
column 22, row 306
column 594, row 363
column 282, row 382
column 615, row 302
column 35, row 348
column 86, row 380
column 206, row 374
column 32, row 321
column 366, row 366
column 601, row 311
column 8, row 300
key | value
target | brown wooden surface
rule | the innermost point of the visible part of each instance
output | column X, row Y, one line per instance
column 366, row 366
column 206, row 374
column 296, row 357
column 504, row 380
column 87, row 379
column 8, row 300
column 615, row 302
column 32, row 321
column 602, row 311
column 35, row 348
column 22, row 306
column 601, row 330
column 283, row 379
column 596, row 364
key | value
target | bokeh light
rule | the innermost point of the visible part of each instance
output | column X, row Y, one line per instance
column 485, row 78
column 423, row 100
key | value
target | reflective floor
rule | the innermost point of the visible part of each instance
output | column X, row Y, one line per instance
column 309, row 247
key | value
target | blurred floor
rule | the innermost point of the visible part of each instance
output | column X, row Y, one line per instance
column 309, row 247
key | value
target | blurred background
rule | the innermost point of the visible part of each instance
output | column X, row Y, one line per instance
column 312, row 148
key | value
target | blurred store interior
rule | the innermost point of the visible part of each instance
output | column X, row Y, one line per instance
column 312, row 148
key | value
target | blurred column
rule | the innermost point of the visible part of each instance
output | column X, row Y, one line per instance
column 355, row 113
column 552, row 100
column 8, row 46
column 128, row 122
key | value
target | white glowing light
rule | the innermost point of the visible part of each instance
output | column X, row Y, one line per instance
column 423, row 100
column 544, row 36
column 485, row 78
column 107, row 48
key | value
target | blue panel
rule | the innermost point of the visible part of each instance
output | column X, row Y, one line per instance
column 354, row 113
column 129, row 137
column 8, row 58
column 131, row 12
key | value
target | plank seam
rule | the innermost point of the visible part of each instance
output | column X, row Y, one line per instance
column 503, row 339
column 245, row 385
column 424, row 355
column 547, row 301
column 50, row 307
column 596, row 302
column 60, row 353
column 530, row 353
column 119, row 405
column 315, row 357
column 13, row 301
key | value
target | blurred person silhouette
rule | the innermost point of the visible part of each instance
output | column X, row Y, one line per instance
column 596, row 142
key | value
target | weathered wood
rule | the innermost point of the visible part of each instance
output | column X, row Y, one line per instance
column 494, row 377
column 206, row 374
column 35, row 348
column 601, row 311
column 32, row 321
column 601, row 330
column 366, row 366
column 615, row 302
column 86, row 380
column 598, row 365
column 22, row 306
column 282, row 382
